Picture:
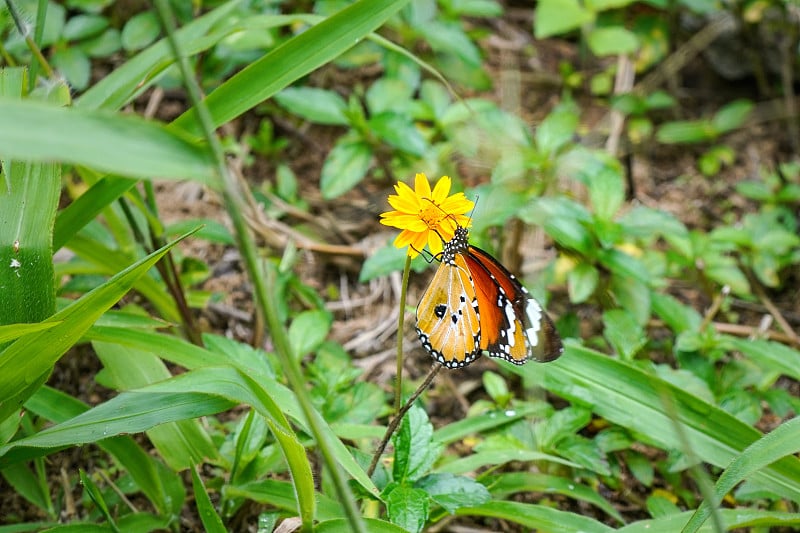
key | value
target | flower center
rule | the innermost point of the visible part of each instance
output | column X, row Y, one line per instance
column 432, row 215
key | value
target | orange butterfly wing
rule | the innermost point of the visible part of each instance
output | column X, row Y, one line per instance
column 447, row 315
column 513, row 324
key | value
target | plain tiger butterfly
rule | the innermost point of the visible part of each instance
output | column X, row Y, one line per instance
column 474, row 304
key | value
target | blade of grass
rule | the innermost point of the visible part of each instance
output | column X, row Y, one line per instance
column 120, row 144
column 297, row 57
column 31, row 358
column 782, row 441
column 212, row 523
column 162, row 486
column 537, row 517
column 632, row 398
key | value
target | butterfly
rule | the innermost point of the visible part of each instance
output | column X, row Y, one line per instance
column 474, row 304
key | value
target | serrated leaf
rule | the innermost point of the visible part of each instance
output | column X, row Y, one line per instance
column 453, row 492
column 408, row 508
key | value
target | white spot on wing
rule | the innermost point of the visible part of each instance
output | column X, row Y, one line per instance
column 534, row 312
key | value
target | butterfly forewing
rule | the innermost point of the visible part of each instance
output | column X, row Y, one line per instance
column 525, row 331
column 447, row 315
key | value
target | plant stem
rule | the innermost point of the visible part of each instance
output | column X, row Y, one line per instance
column 399, row 417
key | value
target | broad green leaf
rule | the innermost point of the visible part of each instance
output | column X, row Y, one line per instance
column 554, row 17
column 80, row 27
column 74, row 65
column 732, row 519
column 140, row 30
column 308, row 330
column 408, row 507
column 453, row 492
column 316, row 105
column 685, row 131
column 557, row 129
column 624, row 334
column 282, row 495
column 125, row 145
column 582, row 282
column 373, row 524
column 732, row 116
column 398, row 131
column 612, row 40
column 345, row 167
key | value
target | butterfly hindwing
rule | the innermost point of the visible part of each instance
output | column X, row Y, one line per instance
column 447, row 315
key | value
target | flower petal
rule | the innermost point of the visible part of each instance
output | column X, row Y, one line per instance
column 422, row 187
column 441, row 190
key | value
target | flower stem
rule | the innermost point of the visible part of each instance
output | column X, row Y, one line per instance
column 398, row 387
column 399, row 417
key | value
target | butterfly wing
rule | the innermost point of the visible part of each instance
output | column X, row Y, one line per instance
column 513, row 324
column 447, row 315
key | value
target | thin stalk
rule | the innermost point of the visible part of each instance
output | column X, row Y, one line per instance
column 399, row 417
column 267, row 304
column 401, row 318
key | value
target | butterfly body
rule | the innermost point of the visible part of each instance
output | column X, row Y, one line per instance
column 474, row 304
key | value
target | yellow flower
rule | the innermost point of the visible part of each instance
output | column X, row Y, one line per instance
column 425, row 216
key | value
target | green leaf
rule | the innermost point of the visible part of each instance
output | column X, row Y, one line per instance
column 97, row 497
column 537, row 517
column 613, row 40
column 496, row 387
column 345, row 167
column 398, row 131
column 732, row 116
column 781, row 442
column 308, row 330
column 408, row 508
column 140, row 30
column 80, row 27
column 74, row 65
column 33, row 356
column 607, row 191
column 686, row 131
column 212, row 523
column 633, row 399
column 415, row 453
column 295, row 58
column 557, row 129
column 624, row 334
column 453, row 492
column 563, row 220
column 103, row 45
column 559, row 16
column 124, row 145
column 582, row 282
column 313, row 104
column 503, row 485
column 677, row 316
column 389, row 95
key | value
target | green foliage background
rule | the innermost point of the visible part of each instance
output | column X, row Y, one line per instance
column 663, row 404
